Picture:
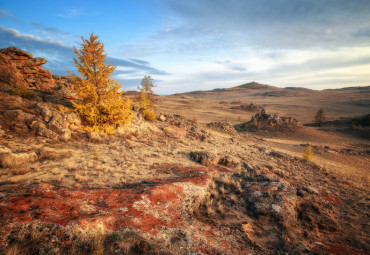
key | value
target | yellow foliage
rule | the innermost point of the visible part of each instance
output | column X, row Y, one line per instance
column 307, row 154
column 149, row 114
column 146, row 106
column 64, row 109
column 101, row 104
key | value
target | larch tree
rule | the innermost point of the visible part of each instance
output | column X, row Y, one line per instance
column 100, row 102
column 320, row 117
column 146, row 105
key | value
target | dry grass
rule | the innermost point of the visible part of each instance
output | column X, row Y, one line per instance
column 14, row 250
column 52, row 154
column 11, row 160
column 21, row 170
column 97, row 246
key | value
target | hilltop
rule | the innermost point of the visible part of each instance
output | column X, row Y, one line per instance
column 180, row 184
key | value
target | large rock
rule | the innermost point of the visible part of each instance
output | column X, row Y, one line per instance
column 19, row 69
column 9, row 74
column 18, row 116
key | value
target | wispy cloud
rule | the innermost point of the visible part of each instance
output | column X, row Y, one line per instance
column 76, row 13
column 232, row 65
column 278, row 24
column 362, row 32
column 71, row 13
column 5, row 14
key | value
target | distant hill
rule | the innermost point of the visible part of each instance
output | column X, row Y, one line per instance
column 254, row 85
column 364, row 88
column 268, row 90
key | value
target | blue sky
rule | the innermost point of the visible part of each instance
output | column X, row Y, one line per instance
column 202, row 44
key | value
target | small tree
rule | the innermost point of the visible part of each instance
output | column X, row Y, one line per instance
column 100, row 102
column 146, row 105
column 320, row 117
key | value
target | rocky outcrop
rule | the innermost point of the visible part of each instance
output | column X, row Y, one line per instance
column 21, row 70
column 270, row 121
column 248, row 107
column 25, row 116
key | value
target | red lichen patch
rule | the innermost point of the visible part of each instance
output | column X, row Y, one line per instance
column 335, row 248
column 151, row 207
column 332, row 199
column 147, row 206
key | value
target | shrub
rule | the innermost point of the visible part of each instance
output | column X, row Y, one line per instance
column 101, row 105
column 149, row 114
column 307, row 154
column 115, row 237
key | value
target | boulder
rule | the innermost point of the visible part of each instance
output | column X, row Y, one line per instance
column 39, row 127
column 228, row 161
column 204, row 158
column 18, row 116
column 58, row 125
column 162, row 118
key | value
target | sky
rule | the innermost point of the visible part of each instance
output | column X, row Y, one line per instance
column 202, row 44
